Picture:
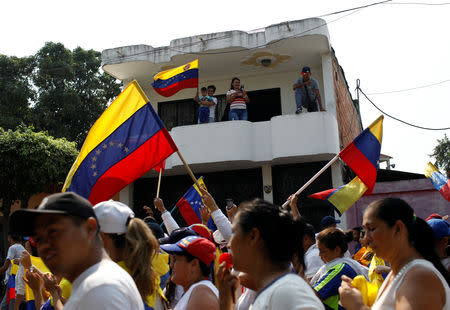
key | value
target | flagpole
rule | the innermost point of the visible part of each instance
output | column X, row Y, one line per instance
column 159, row 183
column 188, row 169
column 312, row 179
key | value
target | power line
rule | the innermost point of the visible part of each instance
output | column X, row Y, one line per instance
column 397, row 119
column 420, row 3
column 409, row 89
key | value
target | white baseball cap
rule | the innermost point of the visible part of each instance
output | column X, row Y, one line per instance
column 113, row 216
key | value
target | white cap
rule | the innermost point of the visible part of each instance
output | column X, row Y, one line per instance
column 218, row 238
column 113, row 216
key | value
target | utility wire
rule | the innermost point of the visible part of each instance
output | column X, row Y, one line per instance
column 409, row 89
column 397, row 119
column 420, row 3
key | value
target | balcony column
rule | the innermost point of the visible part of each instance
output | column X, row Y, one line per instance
column 126, row 195
column 328, row 98
column 267, row 183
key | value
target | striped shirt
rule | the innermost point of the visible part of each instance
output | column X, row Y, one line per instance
column 238, row 102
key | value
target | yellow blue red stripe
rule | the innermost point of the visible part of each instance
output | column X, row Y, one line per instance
column 169, row 82
column 439, row 181
column 127, row 140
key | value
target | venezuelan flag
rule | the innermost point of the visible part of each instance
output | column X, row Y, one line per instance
column 342, row 198
column 127, row 140
column 362, row 156
column 439, row 181
column 363, row 153
column 169, row 82
column 190, row 204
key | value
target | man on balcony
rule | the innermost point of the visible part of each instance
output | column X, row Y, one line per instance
column 307, row 93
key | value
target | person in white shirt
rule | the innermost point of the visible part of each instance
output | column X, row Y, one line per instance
column 213, row 104
column 66, row 232
column 264, row 240
column 313, row 262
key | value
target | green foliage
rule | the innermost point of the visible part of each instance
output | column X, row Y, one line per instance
column 16, row 90
column 73, row 91
column 30, row 162
column 441, row 153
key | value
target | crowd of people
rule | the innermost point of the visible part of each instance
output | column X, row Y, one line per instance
column 79, row 256
column 306, row 89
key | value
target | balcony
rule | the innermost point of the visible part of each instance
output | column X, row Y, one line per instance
column 234, row 145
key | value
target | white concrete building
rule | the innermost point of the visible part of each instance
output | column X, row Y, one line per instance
column 276, row 151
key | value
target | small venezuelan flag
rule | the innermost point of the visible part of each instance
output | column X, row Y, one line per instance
column 190, row 204
column 362, row 156
column 439, row 181
column 169, row 82
column 128, row 140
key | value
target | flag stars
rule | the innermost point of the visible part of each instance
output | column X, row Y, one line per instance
column 111, row 143
column 93, row 166
column 104, row 146
column 119, row 144
column 126, row 149
column 94, row 158
column 98, row 152
column 94, row 174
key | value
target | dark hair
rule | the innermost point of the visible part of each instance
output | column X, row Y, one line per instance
column 281, row 234
column 232, row 81
column 349, row 236
column 420, row 234
column 310, row 231
column 333, row 237
column 203, row 89
column 205, row 269
column 212, row 87
column 16, row 237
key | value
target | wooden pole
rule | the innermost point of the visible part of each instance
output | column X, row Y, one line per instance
column 188, row 169
column 312, row 179
column 159, row 183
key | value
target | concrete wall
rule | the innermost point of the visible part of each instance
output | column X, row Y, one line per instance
column 420, row 195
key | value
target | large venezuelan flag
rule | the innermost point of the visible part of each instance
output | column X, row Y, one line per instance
column 362, row 156
column 169, row 82
column 190, row 204
column 127, row 140
column 439, row 181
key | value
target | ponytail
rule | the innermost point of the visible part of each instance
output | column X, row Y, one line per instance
column 140, row 249
column 282, row 235
column 420, row 234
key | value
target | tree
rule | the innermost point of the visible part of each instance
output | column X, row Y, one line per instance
column 441, row 153
column 72, row 91
column 30, row 162
column 16, row 90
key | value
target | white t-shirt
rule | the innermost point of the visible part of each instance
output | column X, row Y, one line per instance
column 104, row 285
column 313, row 262
column 14, row 252
column 212, row 108
column 287, row 292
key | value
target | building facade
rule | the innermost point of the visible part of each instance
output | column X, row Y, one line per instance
column 273, row 153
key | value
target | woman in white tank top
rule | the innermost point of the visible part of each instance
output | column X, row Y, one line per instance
column 191, row 261
column 417, row 280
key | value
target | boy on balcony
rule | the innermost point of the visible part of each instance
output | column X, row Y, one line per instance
column 204, row 101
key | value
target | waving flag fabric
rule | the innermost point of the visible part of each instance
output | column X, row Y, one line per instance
column 362, row 156
column 439, row 181
column 169, row 82
column 190, row 204
column 127, row 140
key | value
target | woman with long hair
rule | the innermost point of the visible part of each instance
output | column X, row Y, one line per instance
column 264, row 241
column 237, row 98
column 131, row 244
column 417, row 279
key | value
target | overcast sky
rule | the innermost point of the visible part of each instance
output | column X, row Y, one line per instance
column 388, row 47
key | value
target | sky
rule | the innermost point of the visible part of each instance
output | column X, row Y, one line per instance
column 388, row 47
